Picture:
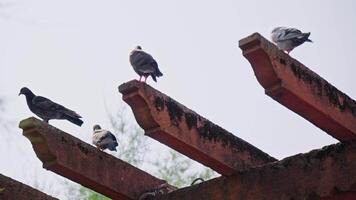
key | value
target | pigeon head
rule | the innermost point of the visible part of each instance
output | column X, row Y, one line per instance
column 139, row 47
column 96, row 127
column 25, row 91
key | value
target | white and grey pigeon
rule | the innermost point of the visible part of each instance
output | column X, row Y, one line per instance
column 287, row 39
column 104, row 139
column 144, row 64
column 47, row 109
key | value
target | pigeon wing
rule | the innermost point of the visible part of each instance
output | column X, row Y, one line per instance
column 99, row 136
column 49, row 105
column 143, row 62
column 289, row 34
column 111, row 136
column 46, row 104
column 157, row 71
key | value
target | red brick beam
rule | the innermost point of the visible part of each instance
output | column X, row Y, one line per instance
column 298, row 88
column 327, row 174
column 80, row 162
column 12, row 189
column 173, row 124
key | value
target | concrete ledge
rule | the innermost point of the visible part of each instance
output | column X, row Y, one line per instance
column 328, row 174
column 298, row 88
column 182, row 129
column 12, row 189
column 78, row 161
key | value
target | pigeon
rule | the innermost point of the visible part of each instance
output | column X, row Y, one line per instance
column 47, row 109
column 144, row 64
column 104, row 139
column 287, row 39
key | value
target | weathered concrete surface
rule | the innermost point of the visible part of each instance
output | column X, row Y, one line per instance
column 328, row 174
column 78, row 161
column 298, row 88
column 182, row 129
column 11, row 189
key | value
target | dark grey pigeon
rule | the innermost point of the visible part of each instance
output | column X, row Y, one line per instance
column 47, row 109
column 144, row 64
column 287, row 39
column 104, row 139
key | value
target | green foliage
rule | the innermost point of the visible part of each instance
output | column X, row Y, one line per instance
column 132, row 143
column 2, row 108
column 172, row 168
column 1, row 104
column 4, row 123
column 87, row 194
column 176, row 169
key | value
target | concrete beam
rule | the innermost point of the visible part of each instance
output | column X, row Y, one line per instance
column 182, row 129
column 300, row 89
column 327, row 174
column 12, row 189
column 80, row 162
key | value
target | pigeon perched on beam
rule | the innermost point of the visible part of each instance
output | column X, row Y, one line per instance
column 287, row 39
column 104, row 139
column 144, row 64
column 47, row 109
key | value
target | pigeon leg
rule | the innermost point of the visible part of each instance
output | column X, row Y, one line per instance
column 140, row 79
column 145, row 78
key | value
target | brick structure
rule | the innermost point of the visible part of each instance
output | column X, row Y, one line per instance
column 80, row 162
column 328, row 173
column 298, row 88
column 180, row 128
column 247, row 172
column 12, row 189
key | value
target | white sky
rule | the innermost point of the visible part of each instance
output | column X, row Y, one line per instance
column 76, row 53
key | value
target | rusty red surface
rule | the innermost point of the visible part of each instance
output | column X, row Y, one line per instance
column 12, row 189
column 298, row 88
column 78, row 161
column 182, row 129
column 328, row 174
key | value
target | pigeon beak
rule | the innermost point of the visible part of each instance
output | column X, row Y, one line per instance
column 20, row 93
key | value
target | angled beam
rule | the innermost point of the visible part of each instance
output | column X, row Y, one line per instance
column 78, row 161
column 298, row 88
column 327, row 174
column 173, row 124
column 12, row 189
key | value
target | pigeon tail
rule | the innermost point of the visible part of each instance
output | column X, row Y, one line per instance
column 158, row 73
column 306, row 37
column 74, row 120
column 112, row 148
column 154, row 77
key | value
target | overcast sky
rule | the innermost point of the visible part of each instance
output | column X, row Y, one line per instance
column 76, row 53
